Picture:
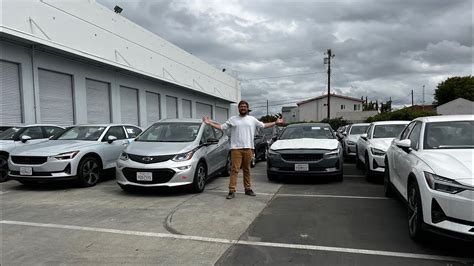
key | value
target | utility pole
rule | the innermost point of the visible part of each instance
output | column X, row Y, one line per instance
column 423, row 105
column 327, row 60
column 411, row 97
column 267, row 107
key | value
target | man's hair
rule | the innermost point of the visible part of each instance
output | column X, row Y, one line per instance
column 243, row 102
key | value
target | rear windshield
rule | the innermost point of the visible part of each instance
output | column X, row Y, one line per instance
column 357, row 130
column 387, row 131
column 313, row 132
column 449, row 135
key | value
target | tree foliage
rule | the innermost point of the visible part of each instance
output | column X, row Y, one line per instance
column 403, row 114
column 269, row 118
column 335, row 122
column 453, row 88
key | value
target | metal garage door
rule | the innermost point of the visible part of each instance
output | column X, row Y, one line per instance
column 10, row 96
column 56, row 98
column 187, row 109
column 129, row 105
column 203, row 109
column 222, row 114
column 171, row 107
column 152, row 107
column 98, row 101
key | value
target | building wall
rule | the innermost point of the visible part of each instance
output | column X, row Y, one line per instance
column 290, row 115
column 317, row 110
column 30, row 60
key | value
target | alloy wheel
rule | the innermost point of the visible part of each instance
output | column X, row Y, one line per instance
column 201, row 176
column 90, row 172
column 413, row 210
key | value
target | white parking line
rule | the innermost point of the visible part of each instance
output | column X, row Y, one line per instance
column 307, row 195
column 4, row 192
column 242, row 242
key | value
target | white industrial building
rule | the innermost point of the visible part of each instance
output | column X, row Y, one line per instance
column 77, row 62
column 459, row 106
column 315, row 109
column 290, row 114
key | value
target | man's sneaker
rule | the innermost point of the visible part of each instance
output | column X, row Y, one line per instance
column 231, row 195
column 250, row 193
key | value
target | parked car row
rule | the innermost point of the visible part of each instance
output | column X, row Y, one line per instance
column 428, row 162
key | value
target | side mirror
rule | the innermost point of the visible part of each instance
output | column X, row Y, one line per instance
column 364, row 136
column 211, row 141
column 25, row 138
column 111, row 139
column 404, row 144
column 344, row 134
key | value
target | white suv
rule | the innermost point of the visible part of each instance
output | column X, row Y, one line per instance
column 431, row 166
column 371, row 146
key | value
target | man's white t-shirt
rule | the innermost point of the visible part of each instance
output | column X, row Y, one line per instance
column 242, row 131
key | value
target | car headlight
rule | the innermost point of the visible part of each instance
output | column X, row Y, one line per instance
column 377, row 152
column 444, row 184
column 350, row 142
column 332, row 153
column 184, row 156
column 123, row 156
column 66, row 155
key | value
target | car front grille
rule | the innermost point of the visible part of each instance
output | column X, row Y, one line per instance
column 159, row 175
column 302, row 157
column 150, row 159
column 29, row 159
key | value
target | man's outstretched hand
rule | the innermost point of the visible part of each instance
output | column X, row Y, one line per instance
column 280, row 121
column 206, row 120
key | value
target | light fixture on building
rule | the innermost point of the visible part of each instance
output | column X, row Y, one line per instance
column 118, row 9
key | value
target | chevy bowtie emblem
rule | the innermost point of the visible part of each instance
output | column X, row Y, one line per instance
column 147, row 159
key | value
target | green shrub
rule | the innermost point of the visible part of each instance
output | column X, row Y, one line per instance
column 403, row 114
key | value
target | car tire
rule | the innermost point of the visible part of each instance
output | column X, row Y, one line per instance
column 368, row 172
column 415, row 213
column 227, row 167
column 253, row 162
column 388, row 188
column 88, row 172
column 358, row 162
column 340, row 177
column 3, row 168
column 199, row 181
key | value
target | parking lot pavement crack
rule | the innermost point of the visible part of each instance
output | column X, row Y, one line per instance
column 169, row 218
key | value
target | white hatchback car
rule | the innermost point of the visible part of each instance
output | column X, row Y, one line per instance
column 80, row 152
column 371, row 146
column 351, row 135
column 431, row 166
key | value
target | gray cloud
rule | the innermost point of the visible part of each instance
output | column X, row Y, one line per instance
column 384, row 48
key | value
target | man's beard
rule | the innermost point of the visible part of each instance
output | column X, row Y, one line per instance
column 242, row 112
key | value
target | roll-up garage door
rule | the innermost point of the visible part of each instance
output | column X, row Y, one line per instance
column 152, row 107
column 187, row 109
column 222, row 114
column 129, row 105
column 171, row 107
column 98, row 101
column 10, row 96
column 203, row 109
column 56, row 98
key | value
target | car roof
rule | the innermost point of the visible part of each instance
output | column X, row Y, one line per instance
column 32, row 125
column 180, row 120
column 310, row 124
column 445, row 118
column 360, row 124
column 394, row 122
column 102, row 125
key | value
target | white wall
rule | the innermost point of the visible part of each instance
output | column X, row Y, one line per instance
column 81, row 71
column 87, row 29
column 317, row 110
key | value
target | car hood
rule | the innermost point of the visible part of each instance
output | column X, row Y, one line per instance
column 454, row 164
column 53, row 147
column 305, row 143
column 6, row 145
column 158, row 148
column 381, row 144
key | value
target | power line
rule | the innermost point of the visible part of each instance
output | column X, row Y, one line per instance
column 284, row 76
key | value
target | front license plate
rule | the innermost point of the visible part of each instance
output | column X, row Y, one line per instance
column 26, row 171
column 144, row 176
column 301, row 167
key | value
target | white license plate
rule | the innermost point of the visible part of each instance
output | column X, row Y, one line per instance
column 26, row 171
column 144, row 176
column 301, row 167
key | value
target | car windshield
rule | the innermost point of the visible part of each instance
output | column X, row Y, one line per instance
column 10, row 133
column 449, row 135
column 170, row 132
column 387, row 131
column 313, row 132
column 81, row 133
column 357, row 130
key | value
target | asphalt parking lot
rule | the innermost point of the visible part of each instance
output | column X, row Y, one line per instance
column 303, row 222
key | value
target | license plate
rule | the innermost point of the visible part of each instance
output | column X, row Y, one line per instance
column 144, row 176
column 301, row 167
column 26, row 171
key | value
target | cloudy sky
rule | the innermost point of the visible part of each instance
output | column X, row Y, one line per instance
column 383, row 48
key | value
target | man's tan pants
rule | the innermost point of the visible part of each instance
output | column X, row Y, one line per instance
column 240, row 157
